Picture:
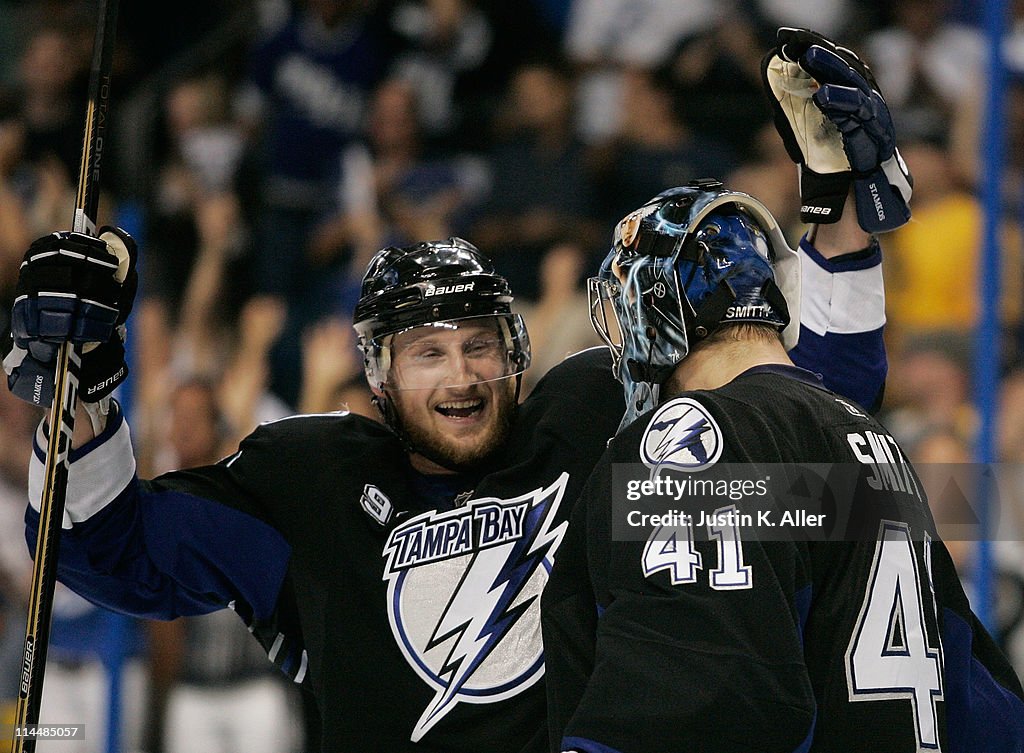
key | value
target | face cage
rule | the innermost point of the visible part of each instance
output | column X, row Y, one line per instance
column 516, row 340
column 601, row 294
column 604, row 292
column 640, row 395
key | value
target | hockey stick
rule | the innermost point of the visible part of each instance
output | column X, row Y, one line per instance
column 65, row 403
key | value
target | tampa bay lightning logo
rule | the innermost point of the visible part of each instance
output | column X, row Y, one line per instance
column 464, row 590
column 681, row 435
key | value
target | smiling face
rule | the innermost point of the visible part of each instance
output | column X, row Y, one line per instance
column 452, row 393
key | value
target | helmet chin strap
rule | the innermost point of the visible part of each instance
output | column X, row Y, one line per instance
column 386, row 406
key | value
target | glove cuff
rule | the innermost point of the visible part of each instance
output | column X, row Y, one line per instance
column 883, row 196
column 822, row 197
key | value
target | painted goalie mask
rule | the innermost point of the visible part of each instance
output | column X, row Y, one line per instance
column 687, row 262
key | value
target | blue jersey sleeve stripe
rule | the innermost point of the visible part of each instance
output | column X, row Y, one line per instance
column 802, row 599
column 845, row 263
column 168, row 554
column 805, row 746
column 982, row 716
column 853, row 365
column 114, row 420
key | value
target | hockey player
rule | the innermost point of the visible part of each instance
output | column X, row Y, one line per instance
column 395, row 571
column 712, row 632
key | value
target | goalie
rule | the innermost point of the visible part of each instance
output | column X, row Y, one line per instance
column 721, row 633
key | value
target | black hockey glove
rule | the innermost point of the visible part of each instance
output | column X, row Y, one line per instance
column 837, row 127
column 78, row 289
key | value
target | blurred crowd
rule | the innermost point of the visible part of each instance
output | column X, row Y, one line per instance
column 269, row 147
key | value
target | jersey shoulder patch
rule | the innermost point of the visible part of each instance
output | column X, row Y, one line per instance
column 683, row 435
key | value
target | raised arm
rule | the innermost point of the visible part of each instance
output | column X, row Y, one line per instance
column 128, row 545
column 837, row 128
column 842, row 311
column 156, row 549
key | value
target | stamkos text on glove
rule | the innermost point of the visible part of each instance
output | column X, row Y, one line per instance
column 878, row 202
column 807, row 209
column 37, row 390
column 106, row 382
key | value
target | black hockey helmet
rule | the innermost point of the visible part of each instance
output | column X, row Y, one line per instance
column 442, row 283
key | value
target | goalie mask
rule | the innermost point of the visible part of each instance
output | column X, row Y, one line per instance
column 687, row 262
column 412, row 297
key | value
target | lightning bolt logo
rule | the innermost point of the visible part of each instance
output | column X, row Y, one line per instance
column 683, row 435
column 690, row 439
column 487, row 597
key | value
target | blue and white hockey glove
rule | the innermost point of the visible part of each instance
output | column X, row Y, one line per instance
column 78, row 289
column 837, row 127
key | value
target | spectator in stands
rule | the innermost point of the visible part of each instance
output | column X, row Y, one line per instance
column 395, row 188
column 654, row 148
column 332, row 370
column 458, row 56
column 304, row 99
column 716, row 75
column 204, row 152
column 14, row 231
column 932, row 264
column 604, row 38
column 928, row 388
column 926, row 65
column 942, row 456
column 50, row 93
column 540, row 182
column 559, row 320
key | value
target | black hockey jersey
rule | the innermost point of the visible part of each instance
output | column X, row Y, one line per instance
column 414, row 623
column 702, row 634
column 415, row 628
